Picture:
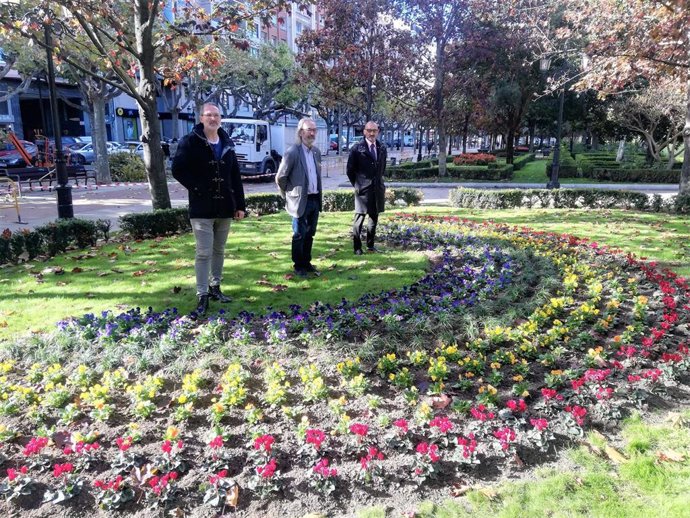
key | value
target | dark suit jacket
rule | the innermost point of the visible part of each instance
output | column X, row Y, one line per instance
column 366, row 176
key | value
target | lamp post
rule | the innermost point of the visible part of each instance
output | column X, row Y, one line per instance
column 544, row 65
column 63, row 189
column 419, row 154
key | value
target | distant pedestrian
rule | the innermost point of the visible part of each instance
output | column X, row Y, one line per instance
column 429, row 147
column 206, row 165
column 366, row 166
column 299, row 181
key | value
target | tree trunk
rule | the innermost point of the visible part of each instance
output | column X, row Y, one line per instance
column 175, row 120
column 510, row 145
column 684, row 187
column 99, row 140
column 154, row 160
column 465, row 130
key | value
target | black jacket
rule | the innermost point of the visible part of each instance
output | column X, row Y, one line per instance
column 366, row 176
column 215, row 187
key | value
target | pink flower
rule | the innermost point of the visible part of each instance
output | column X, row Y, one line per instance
column 321, row 468
column 433, row 453
column 551, row 394
column 442, row 423
column 166, row 447
column 505, row 436
column 123, row 443
column 423, row 448
column 265, row 443
column 59, row 469
column 267, row 470
column 359, row 429
column 315, row 437
column 35, row 445
column 11, row 474
column 578, row 413
column 217, row 442
column 469, row 445
column 402, row 425
column 517, row 406
column 539, row 424
column 481, row 414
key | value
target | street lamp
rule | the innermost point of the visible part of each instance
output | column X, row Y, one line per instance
column 544, row 65
column 419, row 155
column 63, row 189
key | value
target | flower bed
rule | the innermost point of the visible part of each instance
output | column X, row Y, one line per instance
column 396, row 391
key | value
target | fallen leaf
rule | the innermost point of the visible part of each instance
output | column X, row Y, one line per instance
column 233, row 495
column 288, row 276
column 103, row 274
column 139, row 273
column 669, row 456
column 459, row 489
column 488, row 492
column 150, row 262
column 518, row 461
column 613, row 454
column 117, row 270
column 441, row 401
column 76, row 269
column 279, row 287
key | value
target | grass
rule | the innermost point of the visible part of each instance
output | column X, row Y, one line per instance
column 592, row 486
column 160, row 273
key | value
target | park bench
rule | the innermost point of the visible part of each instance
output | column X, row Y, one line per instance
column 38, row 175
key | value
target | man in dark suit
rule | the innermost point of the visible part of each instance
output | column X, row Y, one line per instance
column 299, row 180
column 365, row 168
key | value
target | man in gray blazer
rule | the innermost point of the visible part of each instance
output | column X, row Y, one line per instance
column 299, row 181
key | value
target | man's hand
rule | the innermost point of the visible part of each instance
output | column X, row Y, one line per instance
column 239, row 214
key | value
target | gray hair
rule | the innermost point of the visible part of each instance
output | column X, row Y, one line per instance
column 300, row 127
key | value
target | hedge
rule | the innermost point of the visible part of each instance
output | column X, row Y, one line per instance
column 492, row 172
column 169, row 221
column 51, row 239
column 636, row 175
column 566, row 198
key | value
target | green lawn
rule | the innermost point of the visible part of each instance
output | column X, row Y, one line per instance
column 159, row 273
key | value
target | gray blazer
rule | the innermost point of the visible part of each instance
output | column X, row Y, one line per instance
column 293, row 181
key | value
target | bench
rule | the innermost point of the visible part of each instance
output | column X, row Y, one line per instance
column 31, row 175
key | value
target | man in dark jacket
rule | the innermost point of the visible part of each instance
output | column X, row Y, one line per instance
column 365, row 168
column 206, row 165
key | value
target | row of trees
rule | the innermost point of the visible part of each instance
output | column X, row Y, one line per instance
column 458, row 66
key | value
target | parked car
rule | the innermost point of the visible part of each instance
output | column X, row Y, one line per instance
column 135, row 147
column 87, row 153
column 11, row 157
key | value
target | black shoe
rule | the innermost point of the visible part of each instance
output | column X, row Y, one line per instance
column 310, row 268
column 301, row 272
column 373, row 250
column 202, row 305
column 359, row 252
column 215, row 293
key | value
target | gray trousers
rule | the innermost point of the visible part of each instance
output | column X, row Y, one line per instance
column 210, row 235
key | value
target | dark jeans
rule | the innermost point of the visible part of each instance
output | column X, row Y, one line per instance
column 303, row 230
column 357, row 225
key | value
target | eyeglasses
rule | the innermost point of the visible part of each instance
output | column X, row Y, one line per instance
column 211, row 115
column 368, row 130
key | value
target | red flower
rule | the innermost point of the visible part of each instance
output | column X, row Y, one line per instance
column 402, row 425
column 265, row 443
column 359, row 429
column 166, row 447
column 442, row 423
column 59, row 469
column 315, row 437
column 517, row 406
column 217, row 442
column 11, row 474
column 124, row 443
column 36, row 444
column 267, row 470
column 539, row 424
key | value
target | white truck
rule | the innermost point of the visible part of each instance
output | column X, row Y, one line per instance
column 259, row 145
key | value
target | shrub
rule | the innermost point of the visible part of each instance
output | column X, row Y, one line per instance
column 681, row 204
column 127, row 167
column 562, row 198
column 636, row 175
column 264, row 203
column 522, row 160
column 403, row 195
column 336, row 201
column 474, row 159
column 157, row 223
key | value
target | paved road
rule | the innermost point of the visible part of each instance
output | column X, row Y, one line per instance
column 37, row 208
